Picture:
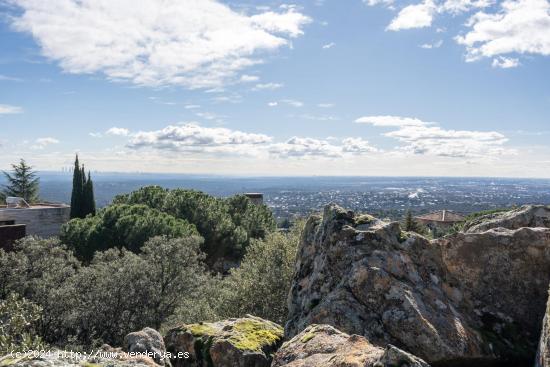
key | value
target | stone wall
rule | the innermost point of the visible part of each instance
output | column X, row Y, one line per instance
column 43, row 221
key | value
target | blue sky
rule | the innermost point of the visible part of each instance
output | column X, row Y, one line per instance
column 375, row 87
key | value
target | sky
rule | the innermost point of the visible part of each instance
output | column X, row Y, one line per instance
column 317, row 87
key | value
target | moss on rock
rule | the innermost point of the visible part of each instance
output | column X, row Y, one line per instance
column 250, row 334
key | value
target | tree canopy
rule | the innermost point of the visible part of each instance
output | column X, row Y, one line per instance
column 22, row 182
column 122, row 226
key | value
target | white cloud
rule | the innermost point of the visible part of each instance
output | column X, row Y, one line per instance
column 414, row 16
column 6, row 109
column 308, row 116
column 192, row 106
column 292, row 102
column 325, row 105
column 191, row 43
column 297, row 147
column 118, row 131
column 419, row 137
column 193, row 137
column 42, row 143
column 462, row 6
column 329, row 45
column 7, row 78
column 357, row 146
column 391, row 121
column 272, row 104
column 267, row 86
column 520, row 26
column 249, row 78
column 505, row 62
column 96, row 135
column 377, row 2
column 436, row 44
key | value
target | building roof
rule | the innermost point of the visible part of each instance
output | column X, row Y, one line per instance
column 36, row 206
column 446, row 216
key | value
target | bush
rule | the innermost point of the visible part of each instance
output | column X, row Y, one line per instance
column 121, row 226
column 17, row 318
column 259, row 286
column 118, row 292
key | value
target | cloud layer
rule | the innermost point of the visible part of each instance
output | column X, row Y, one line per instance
column 192, row 43
column 496, row 30
column 424, row 138
column 193, row 138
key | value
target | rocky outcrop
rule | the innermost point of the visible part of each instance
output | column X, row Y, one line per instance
column 543, row 353
column 244, row 342
column 468, row 298
column 147, row 342
column 526, row 216
column 324, row 346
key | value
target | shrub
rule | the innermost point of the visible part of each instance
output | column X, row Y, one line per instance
column 17, row 318
column 259, row 286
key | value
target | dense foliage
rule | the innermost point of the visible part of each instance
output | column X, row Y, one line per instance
column 259, row 286
column 227, row 225
column 120, row 291
column 17, row 318
column 117, row 292
column 22, row 182
column 121, row 226
column 82, row 195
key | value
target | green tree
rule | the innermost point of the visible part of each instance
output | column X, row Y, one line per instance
column 227, row 225
column 88, row 206
column 22, row 182
column 410, row 223
column 77, row 192
column 122, row 226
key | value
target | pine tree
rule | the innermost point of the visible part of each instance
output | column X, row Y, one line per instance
column 88, row 197
column 410, row 224
column 23, row 182
column 76, row 195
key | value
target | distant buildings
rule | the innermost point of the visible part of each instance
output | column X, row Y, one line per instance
column 440, row 220
column 256, row 197
column 43, row 219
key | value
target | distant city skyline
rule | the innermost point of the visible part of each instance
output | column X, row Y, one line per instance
column 271, row 88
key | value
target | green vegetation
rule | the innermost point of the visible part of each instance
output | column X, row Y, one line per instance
column 82, row 196
column 142, row 261
column 118, row 292
column 259, row 286
column 228, row 226
column 121, row 226
column 22, row 182
column 17, row 318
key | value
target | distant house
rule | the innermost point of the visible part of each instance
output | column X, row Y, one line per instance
column 440, row 220
column 18, row 219
column 256, row 197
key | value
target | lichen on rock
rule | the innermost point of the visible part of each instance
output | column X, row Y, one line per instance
column 248, row 341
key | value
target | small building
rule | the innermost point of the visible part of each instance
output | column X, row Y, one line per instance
column 256, row 197
column 440, row 220
column 42, row 219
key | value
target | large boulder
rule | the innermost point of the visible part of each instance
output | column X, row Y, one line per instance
column 526, row 216
column 463, row 299
column 543, row 353
column 147, row 342
column 324, row 346
column 244, row 342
